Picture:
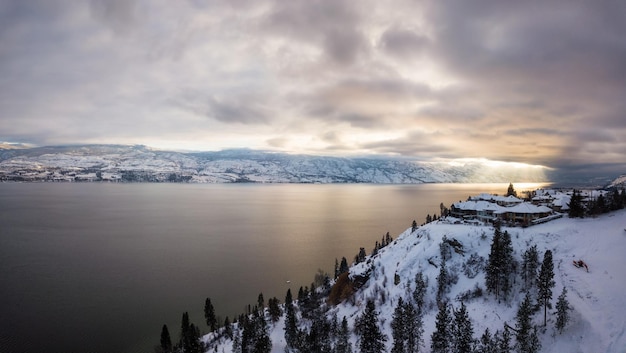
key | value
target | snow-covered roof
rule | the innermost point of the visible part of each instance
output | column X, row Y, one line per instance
column 496, row 198
column 525, row 208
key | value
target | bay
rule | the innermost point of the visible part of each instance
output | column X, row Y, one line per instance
column 101, row 267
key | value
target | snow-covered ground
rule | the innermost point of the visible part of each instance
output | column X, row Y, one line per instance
column 598, row 297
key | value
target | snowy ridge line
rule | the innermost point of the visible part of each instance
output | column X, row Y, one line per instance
column 140, row 163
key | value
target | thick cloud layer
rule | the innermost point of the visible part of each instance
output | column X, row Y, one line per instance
column 539, row 82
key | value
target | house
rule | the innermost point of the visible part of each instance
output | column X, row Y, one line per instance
column 523, row 213
column 509, row 209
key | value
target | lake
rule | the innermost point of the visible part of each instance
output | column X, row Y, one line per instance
column 98, row 267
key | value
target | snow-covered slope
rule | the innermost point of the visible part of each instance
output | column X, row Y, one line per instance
column 618, row 182
column 140, row 163
column 598, row 318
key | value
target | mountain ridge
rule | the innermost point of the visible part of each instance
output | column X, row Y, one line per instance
column 142, row 163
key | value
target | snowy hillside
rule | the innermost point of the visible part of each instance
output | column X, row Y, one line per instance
column 598, row 318
column 140, row 163
column 618, row 182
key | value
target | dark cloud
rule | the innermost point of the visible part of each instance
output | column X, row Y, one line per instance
column 333, row 26
column 247, row 109
column 119, row 15
column 403, row 42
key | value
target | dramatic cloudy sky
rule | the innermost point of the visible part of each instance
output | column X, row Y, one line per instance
column 539, row 82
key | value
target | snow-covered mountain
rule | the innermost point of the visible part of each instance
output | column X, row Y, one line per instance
column 596, row 297
column 140, row 163
column 619, row 182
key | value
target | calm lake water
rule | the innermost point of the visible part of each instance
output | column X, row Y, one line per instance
column 101, row 267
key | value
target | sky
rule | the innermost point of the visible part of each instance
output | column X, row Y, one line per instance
column 536, row 82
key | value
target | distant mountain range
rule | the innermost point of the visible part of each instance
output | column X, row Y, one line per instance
column 143, row 164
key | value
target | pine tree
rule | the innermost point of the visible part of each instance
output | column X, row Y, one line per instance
column 413, row 226
column 509, row 264
column 414, row 327
column 562, row 311
column 487, row 343
column 262, row 342
column 166, row 341
column 501, row 265
column 534, row 345
column 440, row 338
column 291, row 324
column 462, row 331
column 523, row 326
column 398, row 328
column 372, row 339
column 343, row 267
column 576, row 208
column 442, row 282
column 273, row 308
column 228, row 328
column 318, row 337
column 209, row 315
column 511, row 191
column 184, row 332
column 504, row 341
column 530, row 265
column 421, row 286
column 343, row 338
column 545, row 283
column 494, row 264
column 261, row 302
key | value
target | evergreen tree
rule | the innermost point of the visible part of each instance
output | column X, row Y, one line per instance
column 195, row 345
column 534, row 345
column 372, row 339
column 184, row 341
column 462, row 331
column 440, row 338
column 273, row 308
column 398, row 328
column 291, row 324
column 487, row 343
column 545, row 283
column 445, row 250
column 262, row 342
column 343, row 267
column 318, row 339
column 494, row 264
column 562, row 311
column 442, row 282
column 530, row 266
column 616, row 200
column 511, row 191
column 166, row 341
column 523, row 326
column 503, row 340
column 343, row 338
column 421, row 286
column 501, row 265
column 228, row 328
column 414, row 327
column 337, row 273
column 209, row 315
column 388, row 239
column 413, row 226
column 261, row 302
column 361, row 256
column 576, row 208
